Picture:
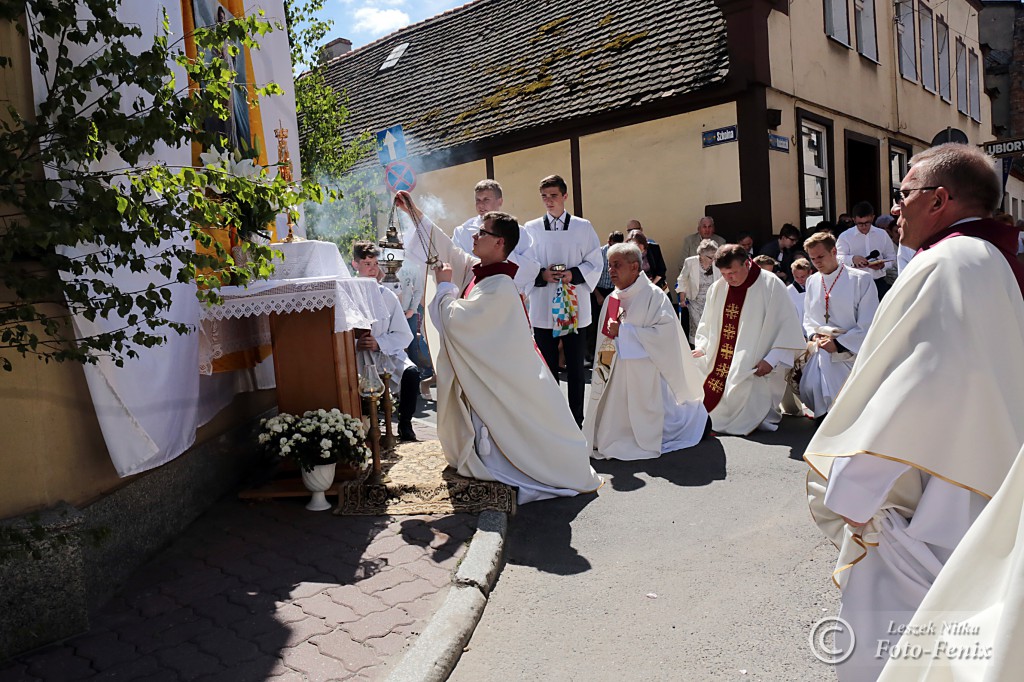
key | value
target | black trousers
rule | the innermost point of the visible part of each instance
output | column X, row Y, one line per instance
column 572, row 345
column 882, row 286
column 409, row 395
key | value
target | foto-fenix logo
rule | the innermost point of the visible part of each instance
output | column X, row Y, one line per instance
column 832, row 640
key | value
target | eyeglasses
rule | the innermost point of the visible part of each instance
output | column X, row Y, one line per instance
column 483, row 231
column 901, row 195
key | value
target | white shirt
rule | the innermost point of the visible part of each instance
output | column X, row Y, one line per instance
column 577, row 247
column 853, row 243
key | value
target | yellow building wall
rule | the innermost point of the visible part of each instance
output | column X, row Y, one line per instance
column 813, row 72
column 520, row 174
column 51, row 446
column 446, row 194
column 813, row 68
column 658, row 173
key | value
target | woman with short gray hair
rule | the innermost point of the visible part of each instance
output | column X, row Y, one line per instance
column 697, row 276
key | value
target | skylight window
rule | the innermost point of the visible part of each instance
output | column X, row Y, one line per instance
column 395, row 55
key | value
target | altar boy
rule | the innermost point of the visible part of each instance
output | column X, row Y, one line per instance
column 569, row 253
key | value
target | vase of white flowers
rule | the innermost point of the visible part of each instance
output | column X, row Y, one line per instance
column 316, row 441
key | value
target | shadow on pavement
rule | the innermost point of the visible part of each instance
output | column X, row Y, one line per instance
column 794, row 433
column 700, row 465
column 541, row 536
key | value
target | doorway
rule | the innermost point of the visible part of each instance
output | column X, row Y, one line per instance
column 862, row 173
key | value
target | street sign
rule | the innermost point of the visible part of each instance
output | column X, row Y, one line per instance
column 399, row 176
column 709, row 138
column 390, row 145
column 779, row 143
column 1000, row 148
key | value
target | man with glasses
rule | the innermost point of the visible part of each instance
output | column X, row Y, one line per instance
column 500, row 415
column 867, row 247
column 931, row 418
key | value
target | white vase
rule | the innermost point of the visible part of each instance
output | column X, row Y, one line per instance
column 317, row 482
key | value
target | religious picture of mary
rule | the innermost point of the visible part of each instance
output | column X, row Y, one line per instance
column 236, row 128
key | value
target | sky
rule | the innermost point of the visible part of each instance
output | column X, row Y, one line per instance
column 363, row 21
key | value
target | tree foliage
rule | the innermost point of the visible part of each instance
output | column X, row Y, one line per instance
column 83, row 194
column 326, row 155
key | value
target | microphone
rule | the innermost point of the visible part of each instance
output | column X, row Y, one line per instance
column 874, row 254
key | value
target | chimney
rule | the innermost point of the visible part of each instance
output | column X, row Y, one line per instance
column 335, row 48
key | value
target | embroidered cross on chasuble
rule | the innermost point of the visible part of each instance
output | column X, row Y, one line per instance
column 714, row 385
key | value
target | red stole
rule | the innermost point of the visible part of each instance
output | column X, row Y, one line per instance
column 999, row 235
column 714, row 385
column 481, row 271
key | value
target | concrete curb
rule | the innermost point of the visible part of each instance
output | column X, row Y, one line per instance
column 433, row 656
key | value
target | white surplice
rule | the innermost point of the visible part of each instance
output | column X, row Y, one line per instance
column 522, row 255
column 797, row 297
column 893, row 450
column 393, row 336
column 652, row 400
column 497, row 398
column 768, row 330
column 853, row 300
column 575, row 247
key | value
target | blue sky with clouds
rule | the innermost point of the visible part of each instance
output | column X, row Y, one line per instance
column 363, row 21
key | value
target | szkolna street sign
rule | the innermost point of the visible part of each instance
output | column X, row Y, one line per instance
column 390, row 145
column 399, row 176
column 710, row 138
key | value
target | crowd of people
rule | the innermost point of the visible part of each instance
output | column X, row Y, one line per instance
column 901, row 335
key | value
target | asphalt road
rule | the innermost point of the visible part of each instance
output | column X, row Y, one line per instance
column 700, row 565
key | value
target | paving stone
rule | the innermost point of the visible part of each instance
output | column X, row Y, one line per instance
column 245, row 570
column 156, row 604
column 329, row 610
column 354, row 598
column 406, row 592
column 293, row 635
column 406, row 554
column 142, row 668
column 390, row 645
column 422, row 609
column 252, row 598
column 104, row 649
column 220, row 611
column 382, row 545
column 189, row 661
column 439, row 577
column 59, row 663
column 195, row 588
column 16, row 672
column 258, row 625
column 289, row 613
column 386, row 580
column 306, row 658
column 340, row 645
column 307, row 589
column 378, row 624
column 258, row 670
column 227, row 647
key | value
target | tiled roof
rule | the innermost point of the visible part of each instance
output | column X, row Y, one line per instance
column 499, row 66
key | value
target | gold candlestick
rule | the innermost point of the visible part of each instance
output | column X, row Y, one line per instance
column 389, row 441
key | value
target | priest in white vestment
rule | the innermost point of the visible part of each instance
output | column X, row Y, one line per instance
column 839, row 306
column 646, row 392
column 500, row 414
column 488, row 197
column 932, row 416
column 747, row 339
